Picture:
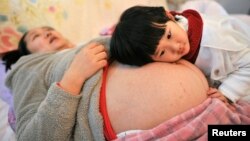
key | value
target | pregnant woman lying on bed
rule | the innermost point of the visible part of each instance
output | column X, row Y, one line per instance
column 65, row 95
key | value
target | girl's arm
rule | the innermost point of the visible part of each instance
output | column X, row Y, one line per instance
column 237, row 84
column 215, row 93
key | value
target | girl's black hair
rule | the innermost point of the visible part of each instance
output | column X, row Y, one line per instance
column 11, row 57
column 137, row 35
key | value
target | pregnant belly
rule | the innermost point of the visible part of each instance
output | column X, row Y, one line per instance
column 144, row 97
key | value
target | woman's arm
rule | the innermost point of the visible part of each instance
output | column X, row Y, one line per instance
column 48, row 112
column 86, row 63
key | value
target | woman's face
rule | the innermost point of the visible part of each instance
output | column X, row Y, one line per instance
column 45, row 39
column 173, row 45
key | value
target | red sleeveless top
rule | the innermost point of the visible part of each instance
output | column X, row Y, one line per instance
column 108, row 130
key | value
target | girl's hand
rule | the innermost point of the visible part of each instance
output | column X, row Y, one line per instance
column 214, row 93
column 87, row 62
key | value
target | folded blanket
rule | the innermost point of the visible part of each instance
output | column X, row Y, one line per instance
column 193, row 124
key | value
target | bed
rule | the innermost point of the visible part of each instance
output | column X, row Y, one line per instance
column 6, row 133
column 16, row 17
column 62, row 18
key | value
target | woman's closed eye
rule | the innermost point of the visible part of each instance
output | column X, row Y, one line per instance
column 35, row 36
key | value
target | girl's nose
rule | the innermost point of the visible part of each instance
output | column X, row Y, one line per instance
column 177, row 48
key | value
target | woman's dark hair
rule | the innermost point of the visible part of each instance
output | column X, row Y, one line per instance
column 11, row 57
column 137, row 35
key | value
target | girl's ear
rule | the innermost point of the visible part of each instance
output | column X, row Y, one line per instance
column 170, row 16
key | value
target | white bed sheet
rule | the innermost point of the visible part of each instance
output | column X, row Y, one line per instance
column 6, row 133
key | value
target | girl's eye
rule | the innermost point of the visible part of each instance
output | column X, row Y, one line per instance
column 162, row 52
column 169, row 34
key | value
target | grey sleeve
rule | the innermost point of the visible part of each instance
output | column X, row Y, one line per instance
column 42, row 113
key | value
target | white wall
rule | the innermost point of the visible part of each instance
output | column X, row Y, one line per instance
column 232, row 6
column 236, row 6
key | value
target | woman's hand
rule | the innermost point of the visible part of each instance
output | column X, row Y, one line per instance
column 87, row 62
column 215, row 93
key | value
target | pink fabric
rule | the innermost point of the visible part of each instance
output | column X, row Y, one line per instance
column 193, row 124
column 107, row 30
column 9, row 37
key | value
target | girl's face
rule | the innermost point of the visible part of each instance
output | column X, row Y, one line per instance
column 45, row 39
column 173, row 45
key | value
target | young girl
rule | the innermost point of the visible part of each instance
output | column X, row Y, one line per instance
column 214, row 44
